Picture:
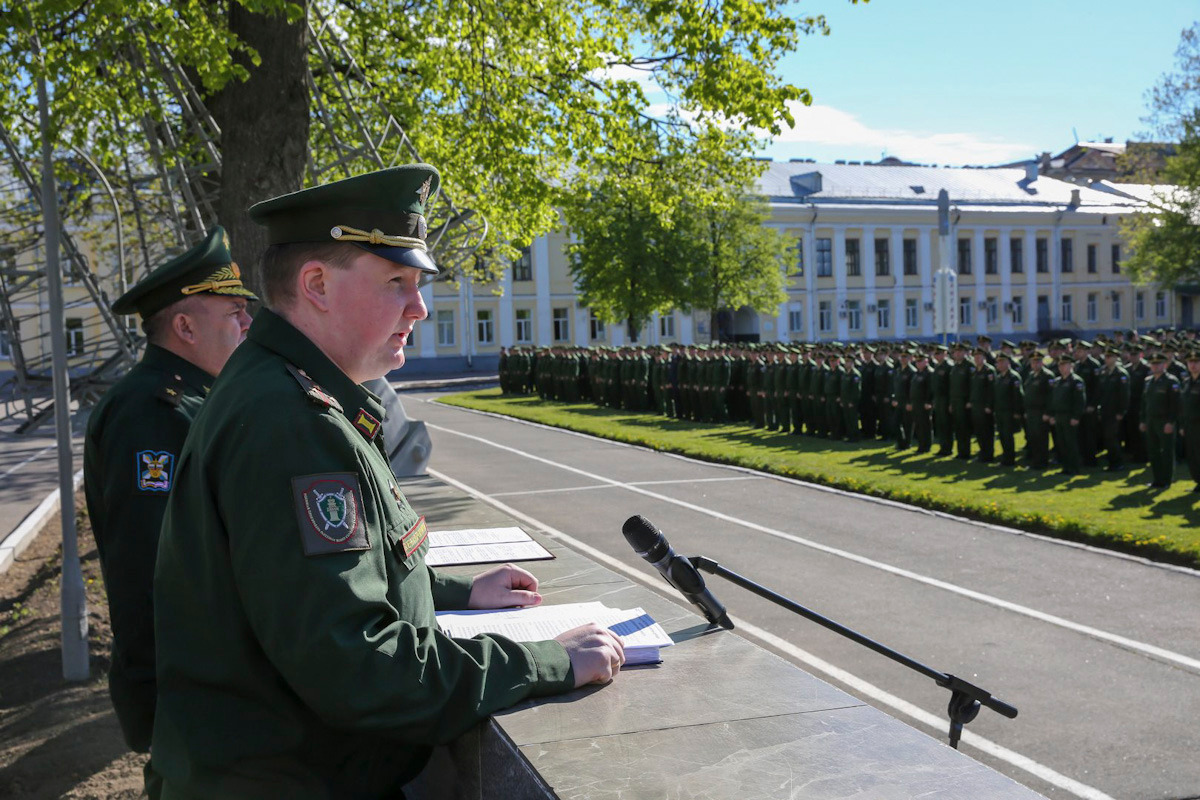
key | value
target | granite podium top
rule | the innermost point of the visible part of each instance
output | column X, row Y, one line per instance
column 719, row 718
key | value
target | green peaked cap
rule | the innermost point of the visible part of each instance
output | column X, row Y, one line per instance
column 383, row 212
column 208, row 267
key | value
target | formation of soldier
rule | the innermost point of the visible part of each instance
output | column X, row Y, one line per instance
column 1112, row 402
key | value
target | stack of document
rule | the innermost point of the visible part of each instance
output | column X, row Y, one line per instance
column 482, row 546
column 641, row 635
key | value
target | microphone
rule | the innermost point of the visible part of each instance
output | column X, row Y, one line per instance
column 649, row 543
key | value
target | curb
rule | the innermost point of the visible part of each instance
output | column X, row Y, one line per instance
column 31, row 526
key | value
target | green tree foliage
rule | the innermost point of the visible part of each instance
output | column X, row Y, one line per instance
column 682, row 230
column 509, row 98
column 1164, row 241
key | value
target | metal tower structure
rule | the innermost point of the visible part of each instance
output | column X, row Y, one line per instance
column 117, row 226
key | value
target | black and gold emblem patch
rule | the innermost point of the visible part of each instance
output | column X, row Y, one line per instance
column 329, row 511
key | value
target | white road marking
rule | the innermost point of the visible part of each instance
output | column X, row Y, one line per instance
column 634, row 483
column 33, row 457
column 1121, row 641
column 751, row 631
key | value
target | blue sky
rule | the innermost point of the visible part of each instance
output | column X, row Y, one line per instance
column 971, row 82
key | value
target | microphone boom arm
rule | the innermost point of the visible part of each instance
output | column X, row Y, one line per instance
column 965, row 698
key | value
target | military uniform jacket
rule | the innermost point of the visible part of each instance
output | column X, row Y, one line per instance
column 134, row 438
column 1009, row 395
column 298, row 653
column 1160, row 400
column 920, row 389
column 1113, row 388
column 982, row 388
column 960, row 383
column 1189, row 404
column 1037, row 390
column 941, row 381
column 1068, row 397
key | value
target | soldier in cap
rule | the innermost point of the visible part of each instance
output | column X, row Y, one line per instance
column 1036, row 400
column 1134, row 438
column 920, row 402
column 1008, row 406
column 1068, row 400
column 960, row 400
column 1112, row 404
column 1160, row 409
column 193, row 312
column 298, row 652
column 943, row 422
column 982, row 396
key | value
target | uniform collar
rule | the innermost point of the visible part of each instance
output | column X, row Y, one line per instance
column 163, row 360
column 278, row 335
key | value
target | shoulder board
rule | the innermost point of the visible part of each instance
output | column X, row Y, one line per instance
column 319, row 395
column 171, row 392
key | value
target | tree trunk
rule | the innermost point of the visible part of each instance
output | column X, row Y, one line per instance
column 264, row 128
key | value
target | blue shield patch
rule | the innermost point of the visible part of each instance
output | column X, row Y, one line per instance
column 154, row 469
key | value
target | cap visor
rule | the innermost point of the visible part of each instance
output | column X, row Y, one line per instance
column 406, row 256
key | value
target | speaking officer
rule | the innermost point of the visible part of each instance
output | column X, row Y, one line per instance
column 298, row 653
column 193, row 311
column 1160, row 409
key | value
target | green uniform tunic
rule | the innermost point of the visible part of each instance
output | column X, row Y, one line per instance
column 943, row 424
column 1068, row 400
column 920, row 395
column 134, row 438
column 1037, row 402
column 1189, row 422
column 1008, row 405
column 982, row 418
column 850, row 393
column 1111, row 407
column 960, row 396
column 1160, row 407
column 298, row 654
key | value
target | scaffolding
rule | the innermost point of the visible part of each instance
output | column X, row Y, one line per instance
column 117, row 226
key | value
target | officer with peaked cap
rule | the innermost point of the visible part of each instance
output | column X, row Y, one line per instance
column 193, row 311
column 298, row 651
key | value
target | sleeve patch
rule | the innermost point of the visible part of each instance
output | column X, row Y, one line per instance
column 329, row 512
column 154, row 469
column 415, row 536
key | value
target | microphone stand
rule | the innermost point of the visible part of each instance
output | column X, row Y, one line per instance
column 965, row 698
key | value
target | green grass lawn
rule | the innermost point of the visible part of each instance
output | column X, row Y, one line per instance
column 1100, row 508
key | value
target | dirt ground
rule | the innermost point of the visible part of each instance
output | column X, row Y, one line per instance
column 57, row 739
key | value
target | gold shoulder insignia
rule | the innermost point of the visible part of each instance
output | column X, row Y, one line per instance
column 311, row 388
column 171, row 392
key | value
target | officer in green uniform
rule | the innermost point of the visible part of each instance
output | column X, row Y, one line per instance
column 982, row 396
column 193, row 311
column 960, row 399
column 850, row 394
column 1135, row 439
column 1008, row 405
column 1088, row 368
column 1111, row 406
column 1036, row 388
column 298, row 653
column 901, row 381
column 1189, row 416
column 1160, row 410
column 943, row 423
column 835, row 426
column 1068, row 401
column 817, row 422
column 920, row 403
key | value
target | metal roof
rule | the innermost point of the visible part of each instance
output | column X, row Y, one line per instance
column 808, row 182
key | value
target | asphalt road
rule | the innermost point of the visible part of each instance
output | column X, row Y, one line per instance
column 1100, row 653
column 29, row 468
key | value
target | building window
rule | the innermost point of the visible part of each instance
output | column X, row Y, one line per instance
column 798, row 264
column 74, row 336
column 524, row 325
column 1160, row 304
column 964, row 256
column 596, row 325
column 1042, row 251
column 1116, row 259
column 1066, row 314
column 562, row 324
column 910, row 313
column 825, row 258
column 1018, row 310
column 1091, row 258
column 854, row 313
column 1139, row 306
column 1016, row 255
column 883, row 258
column 964, row 311
column 883, row 314
column 523, row 266
column 483, row 326
column 910, row 256
column 1093, row 311
column 795, row 320
column 1116, row 306
column 993, row 311
column 1067, row 248
column 991, row 256
column 853, row 258
column 825, row 316
column 666, row 326
column 445, row 327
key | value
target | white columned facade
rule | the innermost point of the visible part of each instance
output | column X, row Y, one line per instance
column 925, row 276
column 896, row 254
column 1004, row 256
column 687, row 332
column 505, row 323
column 866, row 252
column 839, row 275
column 540, row 256
column 1055, row 259
column 583, row 327
column 810, row 281
column 1031, row 286
column 427, row 332
column 977, row 274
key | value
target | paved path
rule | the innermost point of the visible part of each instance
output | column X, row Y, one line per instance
column 29, row 469
column 1101, row 653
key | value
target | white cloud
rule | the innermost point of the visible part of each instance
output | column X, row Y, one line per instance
column 828, row 127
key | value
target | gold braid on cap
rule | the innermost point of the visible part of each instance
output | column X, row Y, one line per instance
column 225, row 278
column 344, row 233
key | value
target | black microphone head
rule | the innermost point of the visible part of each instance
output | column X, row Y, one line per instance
column 641, row 534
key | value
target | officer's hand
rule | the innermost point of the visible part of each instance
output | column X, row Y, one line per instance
column 596, row 653
column 503, row 587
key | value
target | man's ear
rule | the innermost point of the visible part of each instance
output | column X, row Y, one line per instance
column 183, row 327
column 312, row 285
